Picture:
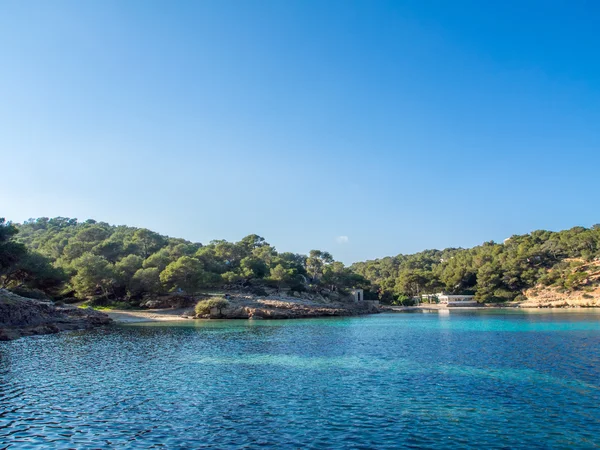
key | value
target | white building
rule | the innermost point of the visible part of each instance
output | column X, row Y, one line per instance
column 358, row 295
column 451, row 300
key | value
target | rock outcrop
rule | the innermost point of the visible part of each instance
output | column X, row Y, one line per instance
column 20, row 316
column 280, row 307
column 549, row 297
column 584, row 293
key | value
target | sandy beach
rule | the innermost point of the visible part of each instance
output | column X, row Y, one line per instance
column 149, row 315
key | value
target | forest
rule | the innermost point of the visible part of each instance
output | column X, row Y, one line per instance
column 70, row 260
column 67, row 259
column 493, row 272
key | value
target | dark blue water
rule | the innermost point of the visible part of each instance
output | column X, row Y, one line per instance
column 457, row 380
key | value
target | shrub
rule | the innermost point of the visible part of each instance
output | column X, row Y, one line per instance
column 550, row 278
column 520, row 298
column 204, row 306
column 403, row 300
column 575, row 280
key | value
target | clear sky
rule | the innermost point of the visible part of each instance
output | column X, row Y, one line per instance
column 363, row 128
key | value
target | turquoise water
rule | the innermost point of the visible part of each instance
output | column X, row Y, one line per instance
column 480, row 379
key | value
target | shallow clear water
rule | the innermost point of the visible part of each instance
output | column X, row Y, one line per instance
column 463, row 379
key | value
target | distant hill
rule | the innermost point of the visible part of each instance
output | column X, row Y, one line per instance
column 492, row 272
column 96, row 260
column 63, row 257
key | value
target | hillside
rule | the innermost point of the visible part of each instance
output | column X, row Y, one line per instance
column 493, row 272
column 583, row 288
column 99, row 262
column 94, row 261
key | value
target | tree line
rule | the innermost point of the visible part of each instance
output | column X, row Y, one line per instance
column 64, row 257
column 493, row 272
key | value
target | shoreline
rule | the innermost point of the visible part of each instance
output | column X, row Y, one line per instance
column 21, row 316
column 487, row 308
column 120, row 316
column 149, row 315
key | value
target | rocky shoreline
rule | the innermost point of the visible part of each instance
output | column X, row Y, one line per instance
column 286, row 308
column 244, row 306
column 20, row 316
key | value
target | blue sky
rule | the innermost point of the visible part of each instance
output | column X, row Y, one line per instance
column 399, row 125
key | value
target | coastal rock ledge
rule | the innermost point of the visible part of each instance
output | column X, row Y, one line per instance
column 279, row 306
column 20, row 316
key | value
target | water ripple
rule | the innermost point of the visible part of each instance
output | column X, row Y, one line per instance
column 391, row 381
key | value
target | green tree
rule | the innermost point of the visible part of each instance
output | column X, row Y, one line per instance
column 147, row 241
column 146, row 281
column 337, row 276
column 228, row 253
column 92, row 234
column 126, row 268
column 489, row 280
column 231, row 278
column 161, row 259
column 252, row 267
column 280, row 275
column 316, row 262
column 129, row 265
column 94, row 273
column 412, row 282
column 32, row 270
column 266, row 253
column 186, row 273
column 212, row 262
column 292, row 261
column 252, row 242
column 10, row 251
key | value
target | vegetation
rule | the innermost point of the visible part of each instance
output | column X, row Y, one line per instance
column 95, row 260
column 204, row 306
column 492, row 272
column 21, row 268
column 65, row 258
